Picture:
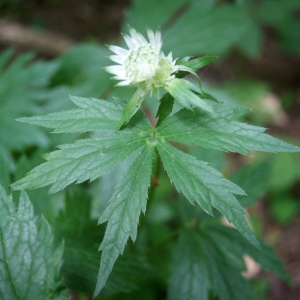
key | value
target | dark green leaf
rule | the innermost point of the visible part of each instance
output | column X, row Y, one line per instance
column 165, row 108
column 234, row 245
column 202, row 268
column 190, row 274
column 195, row 64
column 252, row 178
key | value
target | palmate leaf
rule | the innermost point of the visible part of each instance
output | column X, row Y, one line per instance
column 29, row 267
column 86, row 159
column 190, row 274
column 123, row 212
column 21, row 84
column 219, row 131
column 81, row 260
column 203, row 256
column 204, row 185
column 210, row 260
column 90, row 158
column 94, row 114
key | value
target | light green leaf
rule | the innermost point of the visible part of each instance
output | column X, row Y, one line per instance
column 123, row 213
column 206, row 186
column 86, row 159
column 29, row 267
column 94, row 115
column 219, row 131
column 132, row 106
column 182, row 91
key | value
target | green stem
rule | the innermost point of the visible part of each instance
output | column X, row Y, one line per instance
column 152, row 186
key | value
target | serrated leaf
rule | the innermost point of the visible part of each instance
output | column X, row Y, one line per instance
column 233, row 244
column 94, row 115
column 220, row 28
column 28, row 266
column 132, row 106
column 253, row 179
column 21, row 84
column 190, row 276
column 195, row 64
column 206, row 186
column 219, row 131
column 165, row 108
column 209, row 270
column 83, row 160
column 123, row 213
column 81, row 260
column 225, row 272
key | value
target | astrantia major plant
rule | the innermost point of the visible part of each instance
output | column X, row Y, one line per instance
column 200, row 122
column 144, row 65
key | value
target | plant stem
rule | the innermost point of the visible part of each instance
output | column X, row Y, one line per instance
column 153, row 185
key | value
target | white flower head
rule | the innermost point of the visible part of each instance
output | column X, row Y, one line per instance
column 143, row 64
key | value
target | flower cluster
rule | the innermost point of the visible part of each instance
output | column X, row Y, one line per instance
column 144, row 65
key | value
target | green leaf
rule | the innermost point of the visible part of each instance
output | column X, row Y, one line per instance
column 190, row 274
column 151, row 13
column 196, row 63
column 132, row 106
column 205, row 186
column 123, row 213
column 201, row 269
column 182, row 91
column 252, row 178
column 80, row 266
column 86, row 159
column 219, row 131
column 234, row 245
column 93, row 115
column 200, row 30
column 29, row 267
column 21, row 87
column 165, row 108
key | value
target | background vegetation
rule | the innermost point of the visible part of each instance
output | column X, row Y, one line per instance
column 258, row 45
